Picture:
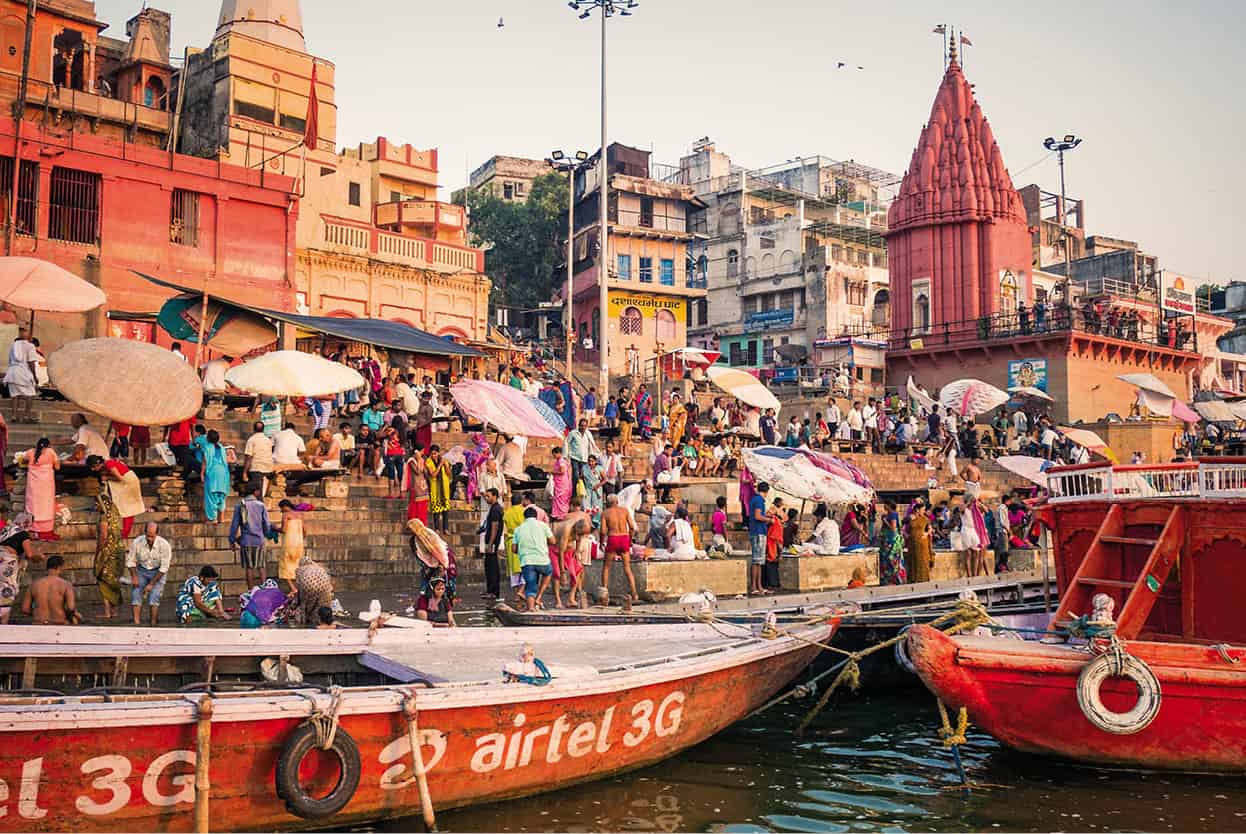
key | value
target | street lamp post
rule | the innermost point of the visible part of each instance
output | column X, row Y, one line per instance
column 1067, row 143
column 607, row 8
column 561, row 162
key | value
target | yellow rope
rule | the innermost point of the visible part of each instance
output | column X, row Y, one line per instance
column 952, row 737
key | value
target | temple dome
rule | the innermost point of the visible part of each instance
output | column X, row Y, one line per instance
column 279, row 22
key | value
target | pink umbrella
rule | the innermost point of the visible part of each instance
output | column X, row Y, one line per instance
column 34, row 284
column 969, row 397
column 1184, row 413
column 507, row 409
column 838, row 466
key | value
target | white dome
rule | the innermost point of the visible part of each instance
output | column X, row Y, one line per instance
column 279, row 22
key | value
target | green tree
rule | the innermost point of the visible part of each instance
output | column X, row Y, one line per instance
column 525, row 242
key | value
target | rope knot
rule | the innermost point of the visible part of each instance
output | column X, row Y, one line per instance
column 953, row 737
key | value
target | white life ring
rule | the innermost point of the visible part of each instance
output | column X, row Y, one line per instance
column 1111, row 665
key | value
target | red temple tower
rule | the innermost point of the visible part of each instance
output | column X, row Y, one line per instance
column 957, row 239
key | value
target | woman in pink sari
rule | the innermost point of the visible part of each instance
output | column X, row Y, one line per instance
column 560, row 476
column 41, row 465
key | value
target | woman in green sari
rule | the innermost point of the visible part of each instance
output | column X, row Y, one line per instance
column 109, row 553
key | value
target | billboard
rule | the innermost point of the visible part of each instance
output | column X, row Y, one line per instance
column 1176, row 293
column 1028, row 373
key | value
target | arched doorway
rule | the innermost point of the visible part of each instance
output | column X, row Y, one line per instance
column 666, row 329
column 1008, row 293
column 921, row 313
column 154, row 93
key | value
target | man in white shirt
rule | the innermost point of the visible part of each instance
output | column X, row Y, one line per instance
column 510, row 460
column 752, row 422
column 176, row 348
column 1020, row 422
column 632, row 498
column 1048, row 439
column 406, row 392
column 258, row 457
column 214, row 375
column 22, row 375
column 825, row 539
column 148, row 561
column 834, row 417
column 869, row 417
column 856, row 423
column 288, row 449
column 86, row 437
column 718, row 416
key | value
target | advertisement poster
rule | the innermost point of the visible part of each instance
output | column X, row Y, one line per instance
column 1176, row 293
column 1028, row 373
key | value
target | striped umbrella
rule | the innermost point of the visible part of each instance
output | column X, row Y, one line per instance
column 551, row 416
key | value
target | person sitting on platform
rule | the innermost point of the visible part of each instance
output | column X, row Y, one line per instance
column 200, row 598
column 435, row 605
column 510, row 459
column 825, row 538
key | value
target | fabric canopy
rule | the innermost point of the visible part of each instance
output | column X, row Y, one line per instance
column 970, row 397
column 1184, row 413
column 745, row 387
column 226, row 327
column 1216, row 411
column 792, row 472
column 379, row 332
column 35, row 284
column 923, row 400
column 1031, row 468
column 506, row 409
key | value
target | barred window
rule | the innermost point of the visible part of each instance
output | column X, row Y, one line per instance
column 630, row 323
column 184, row 222
column 74, row 206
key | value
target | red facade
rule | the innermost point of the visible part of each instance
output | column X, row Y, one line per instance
column 101, row 209
column 957, row 224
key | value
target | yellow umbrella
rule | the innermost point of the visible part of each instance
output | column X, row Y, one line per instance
column 1092, row 441
column 291, row 373
column 745, row 387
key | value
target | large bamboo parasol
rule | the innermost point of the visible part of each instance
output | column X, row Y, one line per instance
column 130, row 382
column 745, row 387
column 34, row 284
column 292, row 373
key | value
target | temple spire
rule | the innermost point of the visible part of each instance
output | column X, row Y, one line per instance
column 951, row 49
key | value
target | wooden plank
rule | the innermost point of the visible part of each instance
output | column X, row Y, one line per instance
column 394, row 670
column 209, row 668
column 28, row 672
column 120, row 665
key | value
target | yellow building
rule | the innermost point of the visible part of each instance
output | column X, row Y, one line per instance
column 372, row 239
column 651, row 280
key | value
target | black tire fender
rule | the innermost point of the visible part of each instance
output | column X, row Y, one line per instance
column 300, row 803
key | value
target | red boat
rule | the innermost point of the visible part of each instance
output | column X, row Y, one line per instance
column 335, row 749
column 1149, row 562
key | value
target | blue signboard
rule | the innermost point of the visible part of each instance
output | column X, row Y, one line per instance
column 785, row 374
column 1028, row 373
column 767, row 319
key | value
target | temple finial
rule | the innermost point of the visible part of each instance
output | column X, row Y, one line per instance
column 951, row 50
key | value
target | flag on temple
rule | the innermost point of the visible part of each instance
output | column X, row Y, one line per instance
column 311, row 134
column 965, row 41
column 940, row 29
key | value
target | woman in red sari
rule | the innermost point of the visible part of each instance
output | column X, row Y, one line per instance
column 415, row 485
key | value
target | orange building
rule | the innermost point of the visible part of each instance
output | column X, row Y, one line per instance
column 373, row 240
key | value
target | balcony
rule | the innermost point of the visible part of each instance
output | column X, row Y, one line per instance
column 428, row 214
column 102, row 108
column 420, row 253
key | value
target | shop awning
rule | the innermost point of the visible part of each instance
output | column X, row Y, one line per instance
column 379, row 332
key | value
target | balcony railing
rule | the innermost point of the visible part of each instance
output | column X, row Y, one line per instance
column 1209, row 478
column 419, row 213
column 1123, row 324
column 410, row 251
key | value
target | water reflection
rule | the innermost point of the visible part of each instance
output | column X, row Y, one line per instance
column 874, row 764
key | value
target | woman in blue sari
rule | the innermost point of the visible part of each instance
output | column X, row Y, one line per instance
column 891, row 567
column 592, row 477
column 644, row 410
column 215, row 475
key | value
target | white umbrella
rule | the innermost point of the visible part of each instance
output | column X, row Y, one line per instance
column 1030, row 468
column 35, row 284
column 917, row 395
column 744, row 387
column 1148, row 382
column 1031, row 391
column 292, row 373
column 969, row 397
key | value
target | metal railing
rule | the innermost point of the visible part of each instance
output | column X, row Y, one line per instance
column 1105, row 320
column 1206, row 479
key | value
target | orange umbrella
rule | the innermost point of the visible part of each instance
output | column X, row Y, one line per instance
column 34, row 284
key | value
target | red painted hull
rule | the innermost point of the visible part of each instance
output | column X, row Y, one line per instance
column 129, row 767
column 1025, row 695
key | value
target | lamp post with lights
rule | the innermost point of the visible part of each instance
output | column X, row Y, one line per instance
column 1067, row 143
column 608, row 9
column 559, row 161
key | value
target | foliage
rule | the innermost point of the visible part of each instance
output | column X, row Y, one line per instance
column 525, row 242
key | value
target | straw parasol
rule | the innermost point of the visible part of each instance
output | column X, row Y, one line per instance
column 1031, row 391
column 34, row 284
column 1148, row 382
column 745, row 387
column 130, row 382
column 292, row 373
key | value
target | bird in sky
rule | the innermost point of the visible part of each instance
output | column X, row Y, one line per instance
column 501, row 23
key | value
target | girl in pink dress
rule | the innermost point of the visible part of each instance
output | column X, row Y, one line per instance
column 560, row 476
column 41, row 465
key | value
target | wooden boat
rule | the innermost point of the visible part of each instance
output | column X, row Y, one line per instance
column 123, row 757
column 1159, row 685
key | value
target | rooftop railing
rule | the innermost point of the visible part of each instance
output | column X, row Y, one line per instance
column 1208, row 478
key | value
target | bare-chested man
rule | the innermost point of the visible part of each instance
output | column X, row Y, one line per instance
column 617, row 527
column 50, row 600
column 972, row 476
column 564, row 544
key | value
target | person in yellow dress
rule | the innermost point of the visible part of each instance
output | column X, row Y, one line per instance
column 293, row 541
column 511, row 519
column 679, row 420
column 438, row 488
column 920, row 555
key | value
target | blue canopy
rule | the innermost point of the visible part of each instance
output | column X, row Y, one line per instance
column 379, row 332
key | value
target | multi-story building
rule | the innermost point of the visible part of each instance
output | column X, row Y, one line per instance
column 97, row 191
column 1049, row 237
column 373, row 239
column 507, row 177
column 792, row 255
column 651, row 280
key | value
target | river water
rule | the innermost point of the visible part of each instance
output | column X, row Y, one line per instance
column 870, row 763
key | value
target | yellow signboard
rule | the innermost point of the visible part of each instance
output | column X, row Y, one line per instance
column 647, row 305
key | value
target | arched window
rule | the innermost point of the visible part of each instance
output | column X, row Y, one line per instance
column 733, row 263
column 703, row 267
column 153, row 93
column 1008, row 293
column 879, row 315
column 666, row 328
column 631, row 322
column 921, row 313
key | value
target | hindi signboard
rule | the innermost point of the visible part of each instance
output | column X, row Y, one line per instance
column 1176, row 293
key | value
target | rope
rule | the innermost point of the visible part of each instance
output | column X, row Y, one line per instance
column 952, row 737
column 1223, row 650
column 533, row 680
column 325, row 722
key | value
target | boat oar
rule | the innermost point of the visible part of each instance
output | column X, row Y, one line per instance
column 411, row 709
column 203, row 761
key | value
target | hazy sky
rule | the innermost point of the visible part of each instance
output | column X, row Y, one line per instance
column 1154, row 89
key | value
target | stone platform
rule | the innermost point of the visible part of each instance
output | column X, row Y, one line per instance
column 658, row 581
column 822, row 573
